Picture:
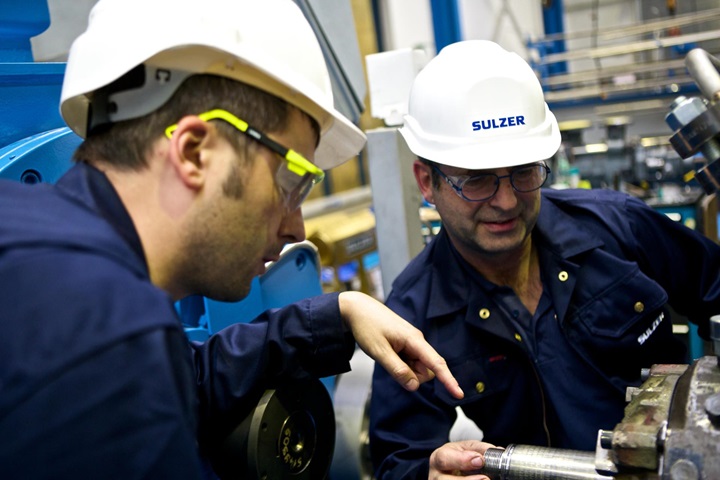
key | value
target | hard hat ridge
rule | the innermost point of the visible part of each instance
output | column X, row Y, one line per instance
column 267, row 44
column 478, row 106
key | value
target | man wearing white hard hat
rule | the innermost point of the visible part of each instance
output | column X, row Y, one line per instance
column 206, row 125
column 546, row 304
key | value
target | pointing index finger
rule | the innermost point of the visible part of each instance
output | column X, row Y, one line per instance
column 439, row 367
column 442, row 372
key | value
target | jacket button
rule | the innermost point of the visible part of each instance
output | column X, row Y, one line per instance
column 484, row 313
column 563, row 276
column 639, row 307
column 518, row 337
column 479, row 387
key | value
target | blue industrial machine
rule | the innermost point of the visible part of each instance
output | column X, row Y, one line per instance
column 41, row 157
column 36, row 145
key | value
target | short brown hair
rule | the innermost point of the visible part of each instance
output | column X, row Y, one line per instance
column 126, row 144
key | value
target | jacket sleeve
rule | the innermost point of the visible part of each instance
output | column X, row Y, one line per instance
column 405, row 427
column 82, row 425
column 237, row 364
column 684, row 262
column 97, row 382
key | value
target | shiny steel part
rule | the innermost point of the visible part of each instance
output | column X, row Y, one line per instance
column 696, row 122
column 289, row 435
column 525, row 462
column 703, row 67
column 697, row 126
column 715, row 334
column 692, row 440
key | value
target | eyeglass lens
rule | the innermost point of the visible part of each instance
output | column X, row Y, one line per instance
column 525, row 179
column 295, row 188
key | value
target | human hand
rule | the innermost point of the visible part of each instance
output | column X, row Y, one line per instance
column 397, row 346
column 458, row 459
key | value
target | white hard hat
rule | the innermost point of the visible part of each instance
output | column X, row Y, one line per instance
column 265, row 43
column 478, row 106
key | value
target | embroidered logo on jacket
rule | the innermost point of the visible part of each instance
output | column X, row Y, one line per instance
column 643, row 338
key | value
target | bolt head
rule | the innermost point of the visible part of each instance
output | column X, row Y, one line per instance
column 684, row 110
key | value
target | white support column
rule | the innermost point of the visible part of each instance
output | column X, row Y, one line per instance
column 396, row 202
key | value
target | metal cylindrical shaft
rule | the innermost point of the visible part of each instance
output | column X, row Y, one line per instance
column 704, row 67
column 526, row 462
column 715, row 334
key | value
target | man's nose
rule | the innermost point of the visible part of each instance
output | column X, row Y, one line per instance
column 505, row 196
column 292, row 228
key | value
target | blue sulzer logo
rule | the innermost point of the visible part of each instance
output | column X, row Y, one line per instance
column 501, row 122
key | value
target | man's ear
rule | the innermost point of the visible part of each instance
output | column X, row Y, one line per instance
column 188, row 150
column 423, row 177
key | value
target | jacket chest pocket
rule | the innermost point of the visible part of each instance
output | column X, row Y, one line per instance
column 482, row 377
column 623, row 326
column 502, row 397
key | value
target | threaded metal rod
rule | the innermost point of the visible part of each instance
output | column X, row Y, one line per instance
column 526, row 462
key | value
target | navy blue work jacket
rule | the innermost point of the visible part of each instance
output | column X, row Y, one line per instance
column 609, row 266
column 98, row 380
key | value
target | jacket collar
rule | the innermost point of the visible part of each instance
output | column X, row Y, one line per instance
column 87, row 185
column 559, row 232
column 556, row 232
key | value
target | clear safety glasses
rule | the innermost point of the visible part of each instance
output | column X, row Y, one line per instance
column 482, row 187
column 295, row 177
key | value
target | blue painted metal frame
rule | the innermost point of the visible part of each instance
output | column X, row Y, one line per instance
column 554, row 23
column 43, row 157
column 21, row 21
column 30, row 90
column 30, row 99
column 446, row 22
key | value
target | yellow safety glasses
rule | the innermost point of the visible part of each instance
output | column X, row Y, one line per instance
column 296, row 176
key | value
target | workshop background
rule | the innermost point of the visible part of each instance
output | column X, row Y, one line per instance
column 610, row 70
